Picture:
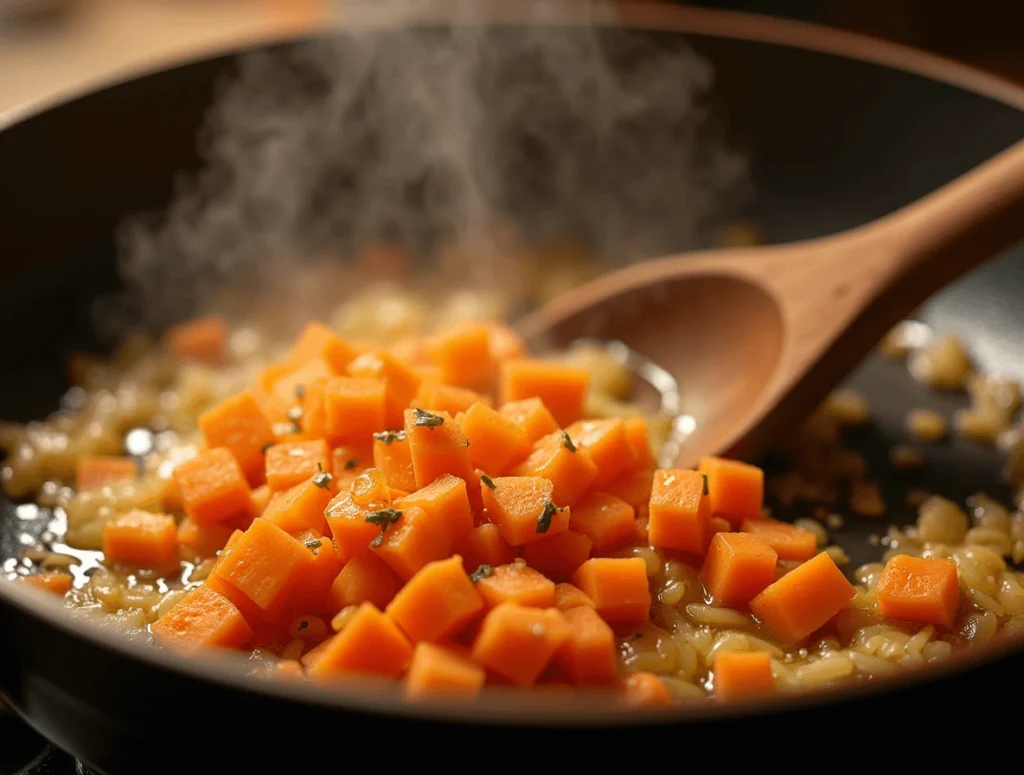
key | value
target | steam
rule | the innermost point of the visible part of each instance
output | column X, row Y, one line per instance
column 422, row 135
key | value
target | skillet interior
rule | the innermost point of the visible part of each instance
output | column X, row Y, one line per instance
column 835, row 142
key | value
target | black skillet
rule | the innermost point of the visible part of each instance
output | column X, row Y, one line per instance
column 836, row 140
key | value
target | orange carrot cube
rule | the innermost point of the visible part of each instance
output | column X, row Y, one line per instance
column 679, row 511
column 463, row 352
column 435, row 396
column 203, row 540
column 606, row 443
column 568, row 468
column 96, row 471
column 436, row 671
column 204, row 340
column 558, row 556
column 202, row 619
column 518, row 643
column 532, row 416
column 400, row 381
column 292, row 463
column 494, row 441
column 436, row 602
column 639, row 442
column 313, row 403
column 317, row 341
column 562, row 388
column 239, row 424
column 213, row 487
column 634, row 487
column 523, row 510
column 311, row 594
column 354, row 409
column 789, row 542
column 300, row 508
column 736, row 489
column 589, row 656
column 567, row 596
column 365, row 578
column 741, row 675
column 282, row 387
column 348, row 524
column 607, row 521
column 392, row 456
column 505, row 342
column 803, row 600
column 447, row 501
column 483, row 545
column 516, row 583
column 371, row 644
column 415, row 538
column 265, row 565
column 54, row 582
column 618, row 587
column 915, row 589
column 737, row 567
column 437, row 446
column 645, row 690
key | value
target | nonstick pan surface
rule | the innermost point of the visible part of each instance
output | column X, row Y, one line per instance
column 835, row 142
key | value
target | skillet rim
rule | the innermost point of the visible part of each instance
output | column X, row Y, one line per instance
column 493, row 708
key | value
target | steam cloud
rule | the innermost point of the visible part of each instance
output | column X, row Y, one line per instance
column 421, row 134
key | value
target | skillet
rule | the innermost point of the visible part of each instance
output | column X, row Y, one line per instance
column 841, row 130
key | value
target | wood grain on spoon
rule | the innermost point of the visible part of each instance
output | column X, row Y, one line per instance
column 756, row 337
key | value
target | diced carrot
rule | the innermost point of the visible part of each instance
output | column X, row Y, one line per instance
column 312, row 593
column 639, row 440
column 437, row 446
column 311, row 657
column 370, row 644
column 141, row 539
column 365, row 578
column 95, row 471
column 259, row 499
column 436, row 602
column 558, row 556
column 203, row 540
column 447, row 500
column 742, row 675
column 567, row 596
column 505, row 342
column 300, row 508
column 435, row 396
column 562, row 388
column 589, row 656
column 517, row 642
column 412, row 350
column 213, row 487
column 202, row 619
column 428, row 373
column 203, row 339
column 495, row 442
column 737, row 567
column 414, row 539
column 55, row 582
column 397, row 495
column 347, row 522
column 618, row 587
column 679, row 511
column 292, row 463
column 568, row 468
column 355, row 409
column 523, row 510
column 463, row 352
column 239, row 424
column 370, row 490
column 517, row 583
column 606, row 443
column 436, row 671
column 317, row 341
column 483, row 545
column 607, row 521
column 634, row 487
column 350, row 460
column 789, row 542
column 401, row 382
column 645, row 690
column 170, row 497
column 392, row 456
column 803, row 600
column 265, row 565
column 282, row 387
column 532, row 416
column 920, row 590
column 314, row 408
column 736, row 489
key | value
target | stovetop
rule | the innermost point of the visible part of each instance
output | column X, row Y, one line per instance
column 23, row 752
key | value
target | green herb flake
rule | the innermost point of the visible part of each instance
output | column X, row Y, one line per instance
column 265, row 447
column 481, row 573
column 322, row 479
column 706, row 490
column 386, row 437
column 300, row 391
column 302, row 625
column 544, row 520
column 313, row 546
column 488, row 481
column 567, row 442
column 351, row 463
column 426, row 419
column 383, row 519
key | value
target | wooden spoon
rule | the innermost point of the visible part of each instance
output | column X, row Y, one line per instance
column 756, row 337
